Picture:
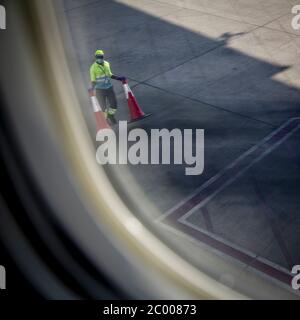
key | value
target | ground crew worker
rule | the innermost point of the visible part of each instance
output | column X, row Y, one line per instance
column 101, row 74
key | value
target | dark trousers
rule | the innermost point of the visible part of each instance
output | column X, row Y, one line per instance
column 107, row 95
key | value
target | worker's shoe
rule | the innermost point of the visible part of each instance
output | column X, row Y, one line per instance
column 111, row 115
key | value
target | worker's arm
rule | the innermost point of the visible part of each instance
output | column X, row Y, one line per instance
column 119, row 78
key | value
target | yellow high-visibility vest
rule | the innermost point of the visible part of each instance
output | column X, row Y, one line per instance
column 101, row 74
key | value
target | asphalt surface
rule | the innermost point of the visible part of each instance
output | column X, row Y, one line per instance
column 232, row 69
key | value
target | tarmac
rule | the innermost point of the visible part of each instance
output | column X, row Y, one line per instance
column 231, row 68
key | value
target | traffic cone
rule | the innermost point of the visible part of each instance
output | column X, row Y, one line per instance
column 136, row 113
column 99, row 114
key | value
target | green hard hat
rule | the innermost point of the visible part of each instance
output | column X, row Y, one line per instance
column 99, row 53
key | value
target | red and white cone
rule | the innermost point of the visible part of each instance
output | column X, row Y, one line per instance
column 99, row 114
column 136, row 112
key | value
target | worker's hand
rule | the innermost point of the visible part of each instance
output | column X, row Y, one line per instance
column 92, row 92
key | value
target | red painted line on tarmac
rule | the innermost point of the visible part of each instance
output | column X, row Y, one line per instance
column 220, row 181
column 232, row 252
